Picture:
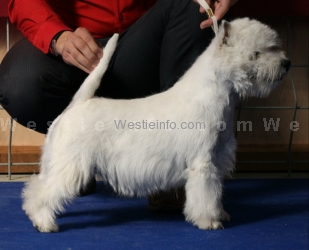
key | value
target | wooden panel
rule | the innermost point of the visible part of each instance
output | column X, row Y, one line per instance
column 15, row 36
column 21, row 154
column 264, row 127
column 21, row 136
column 244, row 153
column 301, row 136
column 277, row 8
column 299, row 41
column 301, row 84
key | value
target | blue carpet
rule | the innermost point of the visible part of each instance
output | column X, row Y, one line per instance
column 266, row 214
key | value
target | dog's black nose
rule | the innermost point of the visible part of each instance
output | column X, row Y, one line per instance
column 286, row 64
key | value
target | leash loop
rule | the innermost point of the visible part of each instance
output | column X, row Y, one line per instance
column 210, row 14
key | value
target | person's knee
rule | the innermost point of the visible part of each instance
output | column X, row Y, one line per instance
column 19, row 73
column 21, row 101
column 26, row 78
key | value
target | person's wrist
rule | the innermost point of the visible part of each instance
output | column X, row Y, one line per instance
column 53, row 47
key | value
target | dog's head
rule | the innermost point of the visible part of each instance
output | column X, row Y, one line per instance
column 252, row 56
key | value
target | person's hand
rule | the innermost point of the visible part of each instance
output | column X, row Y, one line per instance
column 219, row 7
column 79, row 48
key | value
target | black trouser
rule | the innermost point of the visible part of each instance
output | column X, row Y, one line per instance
column 151, row 56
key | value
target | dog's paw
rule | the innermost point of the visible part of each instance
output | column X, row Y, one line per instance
column 50, row 229
column 209, row 224
column 224, row 216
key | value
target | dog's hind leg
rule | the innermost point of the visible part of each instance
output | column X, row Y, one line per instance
column 46, row 193
column 203, row 195
column 36, row 204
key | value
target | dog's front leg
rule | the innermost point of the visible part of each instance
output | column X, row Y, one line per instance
column 203, row 194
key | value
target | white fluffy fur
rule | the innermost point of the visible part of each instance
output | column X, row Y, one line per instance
column 141, row 162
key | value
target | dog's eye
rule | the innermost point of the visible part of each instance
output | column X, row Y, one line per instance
column 256, row 54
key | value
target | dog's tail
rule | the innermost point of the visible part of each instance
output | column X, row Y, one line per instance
column 92, row 82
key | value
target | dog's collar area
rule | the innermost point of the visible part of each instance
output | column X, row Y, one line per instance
column 211, row 15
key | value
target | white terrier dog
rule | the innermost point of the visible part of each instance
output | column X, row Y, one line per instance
column 243, row 60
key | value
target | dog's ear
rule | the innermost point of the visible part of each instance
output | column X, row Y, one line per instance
column 224, row 32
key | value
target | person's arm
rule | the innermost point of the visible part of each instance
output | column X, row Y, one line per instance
column 39, row 24
column 219, row 7
column 37, row 21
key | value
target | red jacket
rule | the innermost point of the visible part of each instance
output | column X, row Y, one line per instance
column 40, row 20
